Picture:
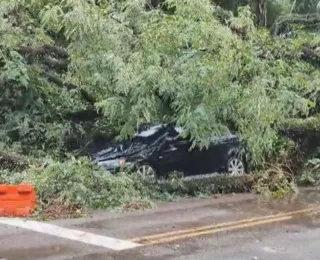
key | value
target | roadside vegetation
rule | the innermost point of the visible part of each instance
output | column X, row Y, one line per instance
column 74, row 73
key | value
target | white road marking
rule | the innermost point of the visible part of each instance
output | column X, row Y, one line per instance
column 72, row 234
column 273, row 249
column 269, row 249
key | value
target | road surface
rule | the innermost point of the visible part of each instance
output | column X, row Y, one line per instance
column 232, row 227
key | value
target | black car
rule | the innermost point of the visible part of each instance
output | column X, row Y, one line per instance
column 158, row 150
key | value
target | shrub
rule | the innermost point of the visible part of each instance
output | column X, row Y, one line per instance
column 274, row 182
column 311, row 173
column 79, row 182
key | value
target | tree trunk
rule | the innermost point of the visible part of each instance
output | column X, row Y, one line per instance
column 261, row 12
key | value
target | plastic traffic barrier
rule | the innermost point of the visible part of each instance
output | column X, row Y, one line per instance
column 17, row 200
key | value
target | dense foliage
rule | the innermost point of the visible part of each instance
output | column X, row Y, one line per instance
column 184, row 63
column 73, row 70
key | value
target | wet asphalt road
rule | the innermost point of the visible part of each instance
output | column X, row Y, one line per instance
column 296, row 238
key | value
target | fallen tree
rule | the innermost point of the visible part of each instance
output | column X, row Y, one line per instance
column 75, row 68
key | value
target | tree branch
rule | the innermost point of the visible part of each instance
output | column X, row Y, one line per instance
column 310, row 55
column 88, row 114
column 130, row 28
column 52, row 56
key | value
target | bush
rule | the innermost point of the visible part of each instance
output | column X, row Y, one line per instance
column 274, row 182
column 9, row 177
column 311, row 173
column 207, row 185
column 79, row 183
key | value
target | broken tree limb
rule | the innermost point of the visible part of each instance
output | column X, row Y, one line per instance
column 283, row 24
column 54, row 63
column 44, row 50
column 89, row 114
column 310, row 55
column 52, row 56
column 56, row 80
column 11, row 162
column 59, row 82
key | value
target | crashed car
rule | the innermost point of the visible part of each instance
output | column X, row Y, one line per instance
column 158, row 150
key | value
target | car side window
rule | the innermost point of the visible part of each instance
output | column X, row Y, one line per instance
column 172, row 134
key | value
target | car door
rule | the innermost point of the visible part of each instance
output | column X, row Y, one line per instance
column 207, row 160
column 174, row 156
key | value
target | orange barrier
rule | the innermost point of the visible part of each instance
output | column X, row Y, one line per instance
column 17, row 200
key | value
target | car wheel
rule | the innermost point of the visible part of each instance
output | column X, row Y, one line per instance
column 146, row 171
column 235, row 167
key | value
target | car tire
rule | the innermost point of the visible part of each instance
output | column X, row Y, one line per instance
column 146, row 171
column 236, row 166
